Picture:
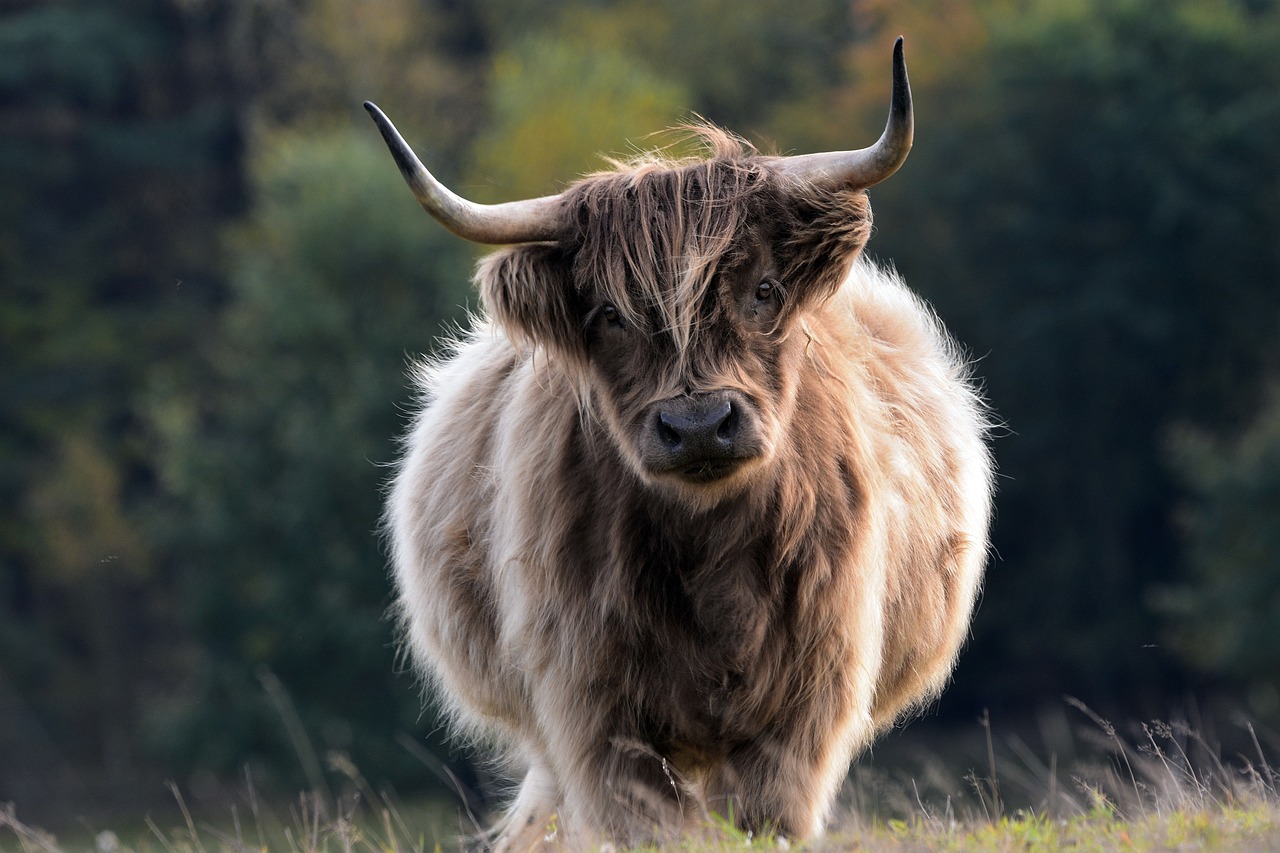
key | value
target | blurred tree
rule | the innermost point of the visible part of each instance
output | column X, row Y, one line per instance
column 945, row 42
column 741, row 61
column 1223, row 618
column 734, row 63
column 556, row 106
column 422, row 61
column 1096, row 217
column 119, row 154
column 125, row 125
column 271, row 460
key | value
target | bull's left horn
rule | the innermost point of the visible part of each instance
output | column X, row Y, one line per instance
column 866, row 166
column 529, row 221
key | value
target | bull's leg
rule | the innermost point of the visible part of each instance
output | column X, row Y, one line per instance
column 531, row 816
column 622, row 790
column 614, row 786
column 626, row 792
column 785, row 784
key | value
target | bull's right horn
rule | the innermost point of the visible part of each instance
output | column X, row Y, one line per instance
column 866, row 166
column 528, row 221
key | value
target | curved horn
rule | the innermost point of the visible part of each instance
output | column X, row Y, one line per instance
column 529, row 221
column 866, row 166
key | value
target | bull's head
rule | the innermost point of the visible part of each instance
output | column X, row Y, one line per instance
column 670, row 291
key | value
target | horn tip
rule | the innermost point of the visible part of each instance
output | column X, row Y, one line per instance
column 901, row 101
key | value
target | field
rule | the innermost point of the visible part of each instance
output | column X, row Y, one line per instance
column 1242, row 826
column 1158, row 786
column 1253, row 825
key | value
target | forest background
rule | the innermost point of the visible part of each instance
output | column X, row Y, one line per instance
column 212, row 280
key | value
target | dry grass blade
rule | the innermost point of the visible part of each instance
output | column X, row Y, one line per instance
column 1156, row 786
column 29, row 837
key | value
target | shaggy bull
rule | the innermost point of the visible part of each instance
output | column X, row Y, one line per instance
column 700, row 504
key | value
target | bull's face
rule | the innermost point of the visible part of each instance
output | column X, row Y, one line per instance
column 678, row 311
column 672, row 294
column 702, row 416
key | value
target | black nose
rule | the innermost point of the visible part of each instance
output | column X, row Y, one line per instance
column 696, row 429
column 701, row 437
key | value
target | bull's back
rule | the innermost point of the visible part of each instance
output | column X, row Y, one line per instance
column 932, row 482
column 441, row 518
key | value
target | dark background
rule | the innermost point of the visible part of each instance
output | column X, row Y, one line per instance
column 211, row 280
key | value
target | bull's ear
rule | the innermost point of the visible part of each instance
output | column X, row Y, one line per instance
column 528, row 290
column 827, row 231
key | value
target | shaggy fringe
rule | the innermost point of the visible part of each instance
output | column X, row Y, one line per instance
column 678, row 222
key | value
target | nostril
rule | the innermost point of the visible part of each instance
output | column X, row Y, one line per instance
column 669, row 435
column 729, row 426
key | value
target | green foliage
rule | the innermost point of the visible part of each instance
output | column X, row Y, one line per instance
column 737, row 63
column 1093, row 210
column 91, row 54
column 423, row 61
column 119, row 154
column 1223, row 618
column 741, row 61
column 558, row 104
column 274, row 454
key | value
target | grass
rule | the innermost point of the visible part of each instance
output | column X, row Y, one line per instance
column 1253, row 827
column 1160, row 786
column 357, row 820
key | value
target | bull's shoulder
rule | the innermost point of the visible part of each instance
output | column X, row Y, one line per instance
column 481, row 402
column 909, row 403
column 480, row 354
column 876, row 305
column 483, row 369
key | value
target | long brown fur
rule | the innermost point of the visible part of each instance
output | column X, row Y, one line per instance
column 644, row 650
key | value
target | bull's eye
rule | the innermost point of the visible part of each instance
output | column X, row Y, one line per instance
column 766, row 289
column 611, row 316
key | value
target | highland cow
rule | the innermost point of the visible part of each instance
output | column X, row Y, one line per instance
column 700, row 503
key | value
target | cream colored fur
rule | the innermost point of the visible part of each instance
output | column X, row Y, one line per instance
column 523, row 547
